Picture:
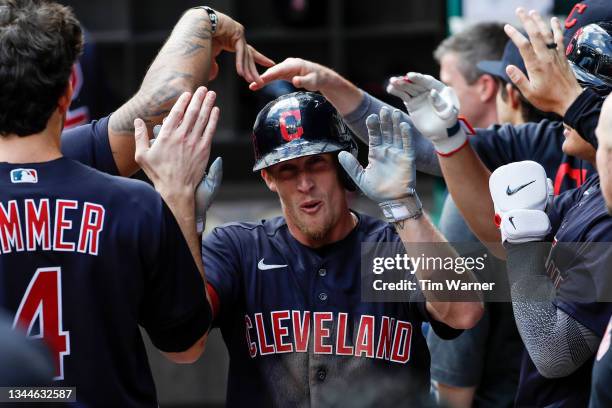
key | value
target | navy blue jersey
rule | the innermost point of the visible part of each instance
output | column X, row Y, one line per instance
column 601, row 392
column 541, row 142
column 85, row 258
column 577, row 216
column 293, row 320
column 89, row 145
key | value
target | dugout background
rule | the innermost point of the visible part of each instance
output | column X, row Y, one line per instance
column 365, row 41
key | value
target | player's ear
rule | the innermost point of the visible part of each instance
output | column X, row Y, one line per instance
column 65, row 99
column 514, row 97
column 487, row 88
column 269, row 180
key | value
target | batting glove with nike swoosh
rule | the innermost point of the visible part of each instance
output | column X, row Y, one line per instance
column 521, row 193
column 207, row 189
column 390, row 177
column 433, row 108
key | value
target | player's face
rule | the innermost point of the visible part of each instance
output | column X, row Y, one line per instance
column 575, row 145
column 311, row 194
column 469, row 96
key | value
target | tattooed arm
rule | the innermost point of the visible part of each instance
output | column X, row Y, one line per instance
column 183, row 64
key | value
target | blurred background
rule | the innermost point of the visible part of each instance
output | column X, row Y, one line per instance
column 365, row 41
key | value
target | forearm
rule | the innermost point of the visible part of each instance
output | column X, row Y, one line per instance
column 182, row 205
column 426, row 158
column 556, row 343
column 467, row 179
column 182, row 64
column 456, row 314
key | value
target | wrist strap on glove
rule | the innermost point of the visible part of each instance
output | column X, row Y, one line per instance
column 402, row 209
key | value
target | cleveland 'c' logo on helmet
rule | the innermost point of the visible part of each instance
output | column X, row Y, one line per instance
column 290, row 122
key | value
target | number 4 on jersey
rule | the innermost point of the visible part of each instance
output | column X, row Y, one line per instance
column 43, row 302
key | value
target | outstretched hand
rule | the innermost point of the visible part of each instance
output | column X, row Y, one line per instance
column 175, row 163
column 551, row 85
column 390, row 176
column 433, row 108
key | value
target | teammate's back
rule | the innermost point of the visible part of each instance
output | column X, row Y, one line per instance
column 86, row 257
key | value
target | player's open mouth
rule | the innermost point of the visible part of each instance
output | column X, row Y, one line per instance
column 311, row 207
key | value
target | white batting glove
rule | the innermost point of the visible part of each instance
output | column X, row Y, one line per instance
column 521, row 192
column 207, row 189
column 518, row 226
column 433, row 108
column 390, row 177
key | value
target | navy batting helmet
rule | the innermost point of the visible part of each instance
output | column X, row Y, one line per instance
column 590, row 54
column 296, row 125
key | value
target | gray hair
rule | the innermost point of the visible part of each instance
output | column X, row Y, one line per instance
column 479, row 42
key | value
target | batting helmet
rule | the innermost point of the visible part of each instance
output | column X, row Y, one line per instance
column 300, row 124
column 590, row 54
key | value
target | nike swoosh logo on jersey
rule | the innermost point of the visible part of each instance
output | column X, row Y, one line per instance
column 263, row 267
column 511, row 221
column 510, row 191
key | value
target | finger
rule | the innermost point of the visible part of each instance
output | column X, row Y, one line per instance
column 211, row 128
column 395, row 91
column 141, row 139
column 285, row 70
column 519, row 79
column 204, row 114
column 427, row 82
column 240, row 58
column 406, row 137
column 193, row 111
column 396, row 117
column 405, row 85
column 351, row 166
column 544, row 29
column 249, row 66
column 374, row 135
column 156, row 130
column 537, row 41
column 260, row 58
column 252, row 65
column 523, row 44
column 558, row 37
column 386, row 126
column 175, row 116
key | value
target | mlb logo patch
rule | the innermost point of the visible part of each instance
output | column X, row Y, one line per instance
column 24, row 176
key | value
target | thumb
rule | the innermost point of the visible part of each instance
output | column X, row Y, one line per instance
column 308, row 81
column 444, row 109
column 214, row 177
column 437, row 102
column 209, row 187
column 141, row 136
column 519, row 79
column 351, row 166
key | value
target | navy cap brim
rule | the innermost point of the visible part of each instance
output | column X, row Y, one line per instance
column 495, row 68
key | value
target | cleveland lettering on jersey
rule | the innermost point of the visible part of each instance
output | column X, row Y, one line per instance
column 32, row 225
column 287, row 331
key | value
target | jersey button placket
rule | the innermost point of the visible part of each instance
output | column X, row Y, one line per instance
column 321, row 374
column 322, row 296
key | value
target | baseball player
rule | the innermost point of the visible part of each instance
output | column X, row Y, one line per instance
column 562, row 342
column 601, row 395
column 286, row 292
column 70, row 236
